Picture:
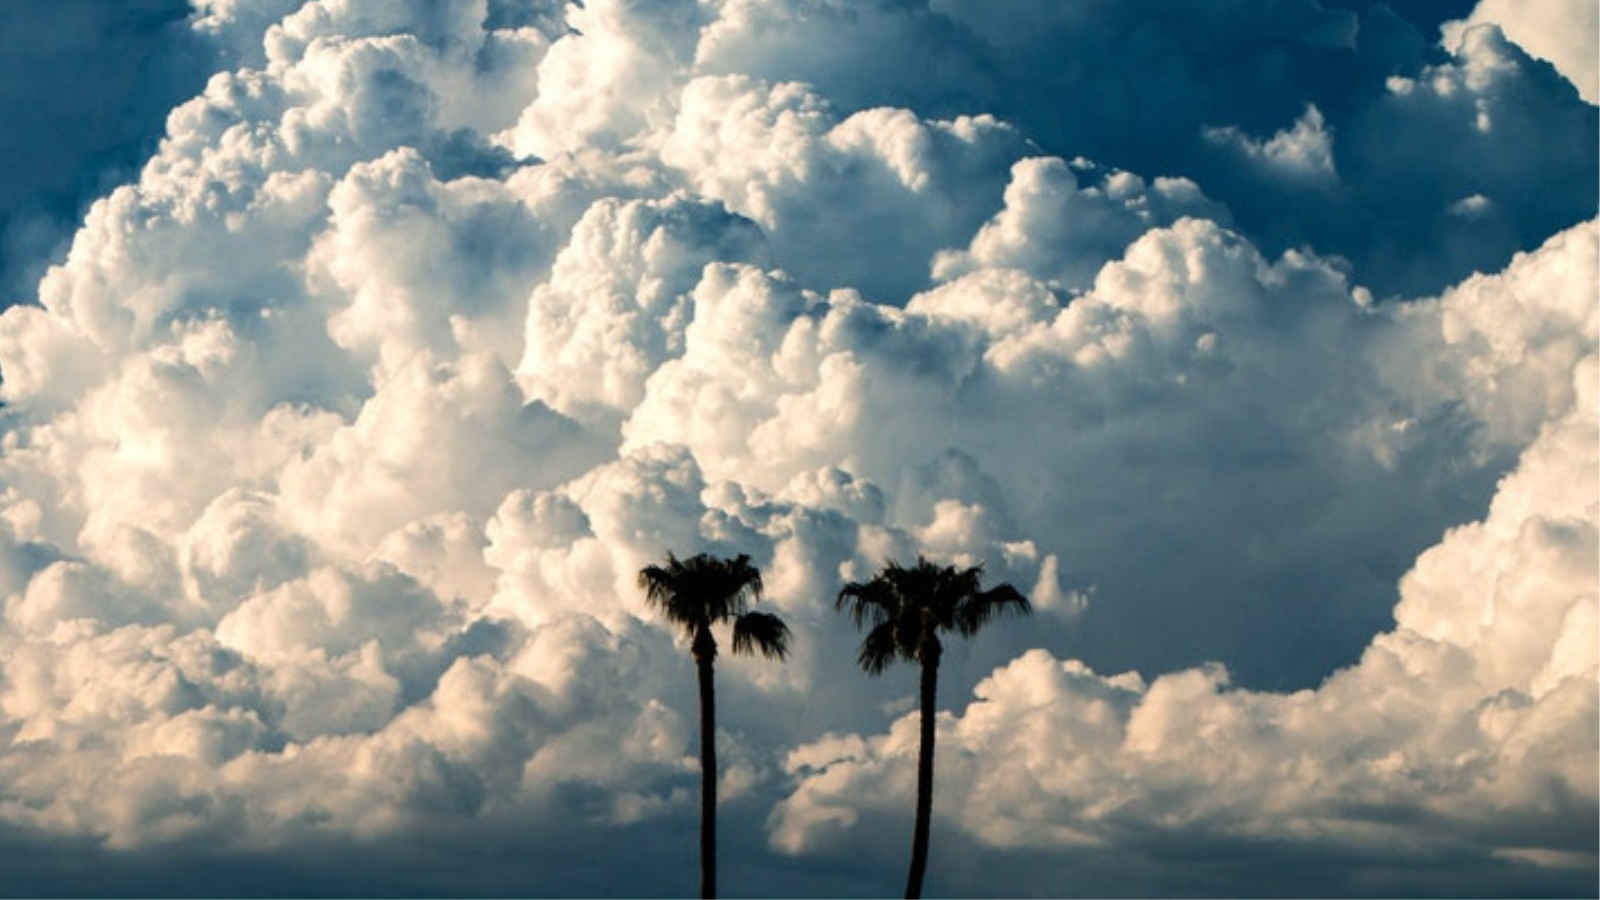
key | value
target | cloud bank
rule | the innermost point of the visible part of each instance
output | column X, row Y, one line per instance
column 332, row 449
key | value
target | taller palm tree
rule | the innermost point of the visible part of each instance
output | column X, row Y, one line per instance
column 905, row 610
column 697, row 593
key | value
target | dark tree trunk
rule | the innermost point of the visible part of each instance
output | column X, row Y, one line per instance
column 704, row 652
column 919, row 836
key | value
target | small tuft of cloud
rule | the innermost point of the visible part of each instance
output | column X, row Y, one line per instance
column 1301, row 154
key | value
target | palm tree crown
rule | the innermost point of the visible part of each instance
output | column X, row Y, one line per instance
column 905, row 609
column 705, row 590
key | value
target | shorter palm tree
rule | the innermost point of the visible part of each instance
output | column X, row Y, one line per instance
column 904, row 611
column 697, row 593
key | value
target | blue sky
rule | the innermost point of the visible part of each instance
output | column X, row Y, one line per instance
column 358, row 355
column 113, row 71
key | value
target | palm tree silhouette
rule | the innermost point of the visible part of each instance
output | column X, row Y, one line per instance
column 697, row 593
column 906, row 609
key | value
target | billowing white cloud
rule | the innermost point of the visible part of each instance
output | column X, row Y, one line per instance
column 1565, row 33
column 617, row 300
column 874, row 195
column 333, row 448
column 1449, row 719
column 612, row 79
column 1061, row 231
column 1302, row 154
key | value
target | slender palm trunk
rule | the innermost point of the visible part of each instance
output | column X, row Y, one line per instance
column 919, row 836
column 703, row 656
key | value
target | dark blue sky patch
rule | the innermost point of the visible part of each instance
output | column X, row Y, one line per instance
column 85, row 87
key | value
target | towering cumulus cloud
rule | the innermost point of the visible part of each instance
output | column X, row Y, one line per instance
column 1258, row 346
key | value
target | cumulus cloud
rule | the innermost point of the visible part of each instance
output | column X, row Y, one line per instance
column 617, row 301
column 333, row 447
column 1302, row 154
column 1061, row 231
column 1562, row 33
column 1438, row 722
column 1190, row 91
column 875, row 194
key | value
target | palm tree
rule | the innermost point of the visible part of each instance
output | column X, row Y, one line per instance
column 697, row 593
column 905, row 609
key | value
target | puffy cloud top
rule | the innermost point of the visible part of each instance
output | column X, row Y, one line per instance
column 1563, row 33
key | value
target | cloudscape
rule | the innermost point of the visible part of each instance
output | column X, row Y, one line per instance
column 1256, row 343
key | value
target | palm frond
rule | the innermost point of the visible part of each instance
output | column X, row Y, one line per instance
column 759, row 632
column 736, row 583
column 980, row 607
column 657, row 581
column 941, row 589
column 879, row 648
column 666, row 589
column 869, row 601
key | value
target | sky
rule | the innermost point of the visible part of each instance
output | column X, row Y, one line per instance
column 356, row 356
